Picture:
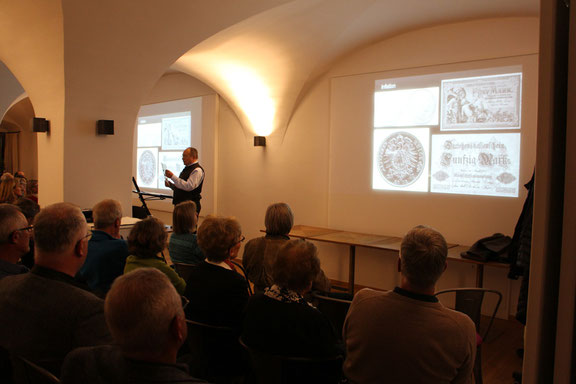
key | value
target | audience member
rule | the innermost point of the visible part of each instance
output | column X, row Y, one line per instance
column 15, row 233
column 107, row 251
column 7, row 185
column 32, row 191
column 183, row 246
column 217, row 293
column 30, row 209
column 280, row 321
column 145, row 241
column 145, row 316
column 21, row 180
column 260, row 253
column 45, row 314
column 406, row 335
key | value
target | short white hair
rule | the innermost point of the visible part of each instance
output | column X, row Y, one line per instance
column 140, row 308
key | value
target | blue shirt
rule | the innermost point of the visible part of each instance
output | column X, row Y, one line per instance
column 183, row 248
column 104, row 263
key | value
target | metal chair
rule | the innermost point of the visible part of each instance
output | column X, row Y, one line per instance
column 184, row 270
column 335, row 309
column 275, row 369
column 469, row 301
column 214, row 353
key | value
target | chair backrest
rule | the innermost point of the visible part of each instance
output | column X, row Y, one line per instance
column 274, row 369
column 335, row 309
column 214, row 351
column 469, row 301
column 27, row 372
column 184, row 270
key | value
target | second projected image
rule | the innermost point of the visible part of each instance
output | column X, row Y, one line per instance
column 412, row 150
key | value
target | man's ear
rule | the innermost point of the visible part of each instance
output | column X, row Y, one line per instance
column 178, row 328
column 399, row 264
column 80, row 250
column 117, row 223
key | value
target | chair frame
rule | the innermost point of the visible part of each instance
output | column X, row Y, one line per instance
column 478, row 361
column 337, row 323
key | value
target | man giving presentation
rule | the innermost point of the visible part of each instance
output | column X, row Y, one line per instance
column 188, row 185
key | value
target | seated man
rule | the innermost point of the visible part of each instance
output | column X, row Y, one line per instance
column 406, row 335
column 15, row 234
column 280, row 321
column 44, row 314
column 107, row 251
column 146, row 318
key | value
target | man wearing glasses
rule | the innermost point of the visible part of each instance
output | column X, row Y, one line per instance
column 15, row 234
column 45, row 314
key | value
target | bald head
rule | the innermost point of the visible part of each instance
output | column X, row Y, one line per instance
column 58, row 227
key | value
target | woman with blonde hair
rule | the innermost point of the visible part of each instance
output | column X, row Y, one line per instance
column 183, row 245
column 7, row 188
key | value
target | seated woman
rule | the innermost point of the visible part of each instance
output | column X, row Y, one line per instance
column 217, row 294
column 145, row 241
column 260, row 253
column 280, row 321
column 9, row 190
column 183, row 246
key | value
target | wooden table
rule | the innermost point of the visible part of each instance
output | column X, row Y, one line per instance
column 390, row 243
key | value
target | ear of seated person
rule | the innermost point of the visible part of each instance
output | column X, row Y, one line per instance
column 145, row 242
column 216, row 292
column 146, row 318
column 107, row 251
column 45, row 314
column 279, row 321
column 260, row 253
column 406, row 335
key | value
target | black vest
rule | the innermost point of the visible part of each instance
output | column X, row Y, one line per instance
column 194, row 195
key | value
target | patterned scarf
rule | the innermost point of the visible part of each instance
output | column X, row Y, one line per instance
column 285, row 295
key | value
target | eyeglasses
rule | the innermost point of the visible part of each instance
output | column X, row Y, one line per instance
column 88, row 236
column 239, row 241
column 185, row 301
column 27, row 229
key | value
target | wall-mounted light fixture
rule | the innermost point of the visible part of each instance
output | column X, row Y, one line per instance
column 259, row 141
column 40, row 124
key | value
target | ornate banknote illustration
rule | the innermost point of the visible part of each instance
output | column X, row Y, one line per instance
column 147, row 166
column 485, row 102
column 400, row 159
column 476, row 164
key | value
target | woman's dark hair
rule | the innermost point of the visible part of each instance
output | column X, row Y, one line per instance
column 147, row 238
column 184, row 217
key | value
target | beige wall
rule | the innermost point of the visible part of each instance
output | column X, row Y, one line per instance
column 297, row 170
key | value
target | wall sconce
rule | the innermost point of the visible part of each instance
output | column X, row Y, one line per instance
column 259, row 141
column 40, row 124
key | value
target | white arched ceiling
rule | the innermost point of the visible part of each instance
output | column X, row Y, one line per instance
column 263, row 65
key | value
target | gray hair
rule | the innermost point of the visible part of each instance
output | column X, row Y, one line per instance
column 139, row 310
column 296, row 265
column 423, row 256
column 57, row 227
column 11, row 219
column 106, row 213
column 279, row 219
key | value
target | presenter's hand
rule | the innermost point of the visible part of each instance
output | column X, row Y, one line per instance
column 167, row 184
column 168, row 173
